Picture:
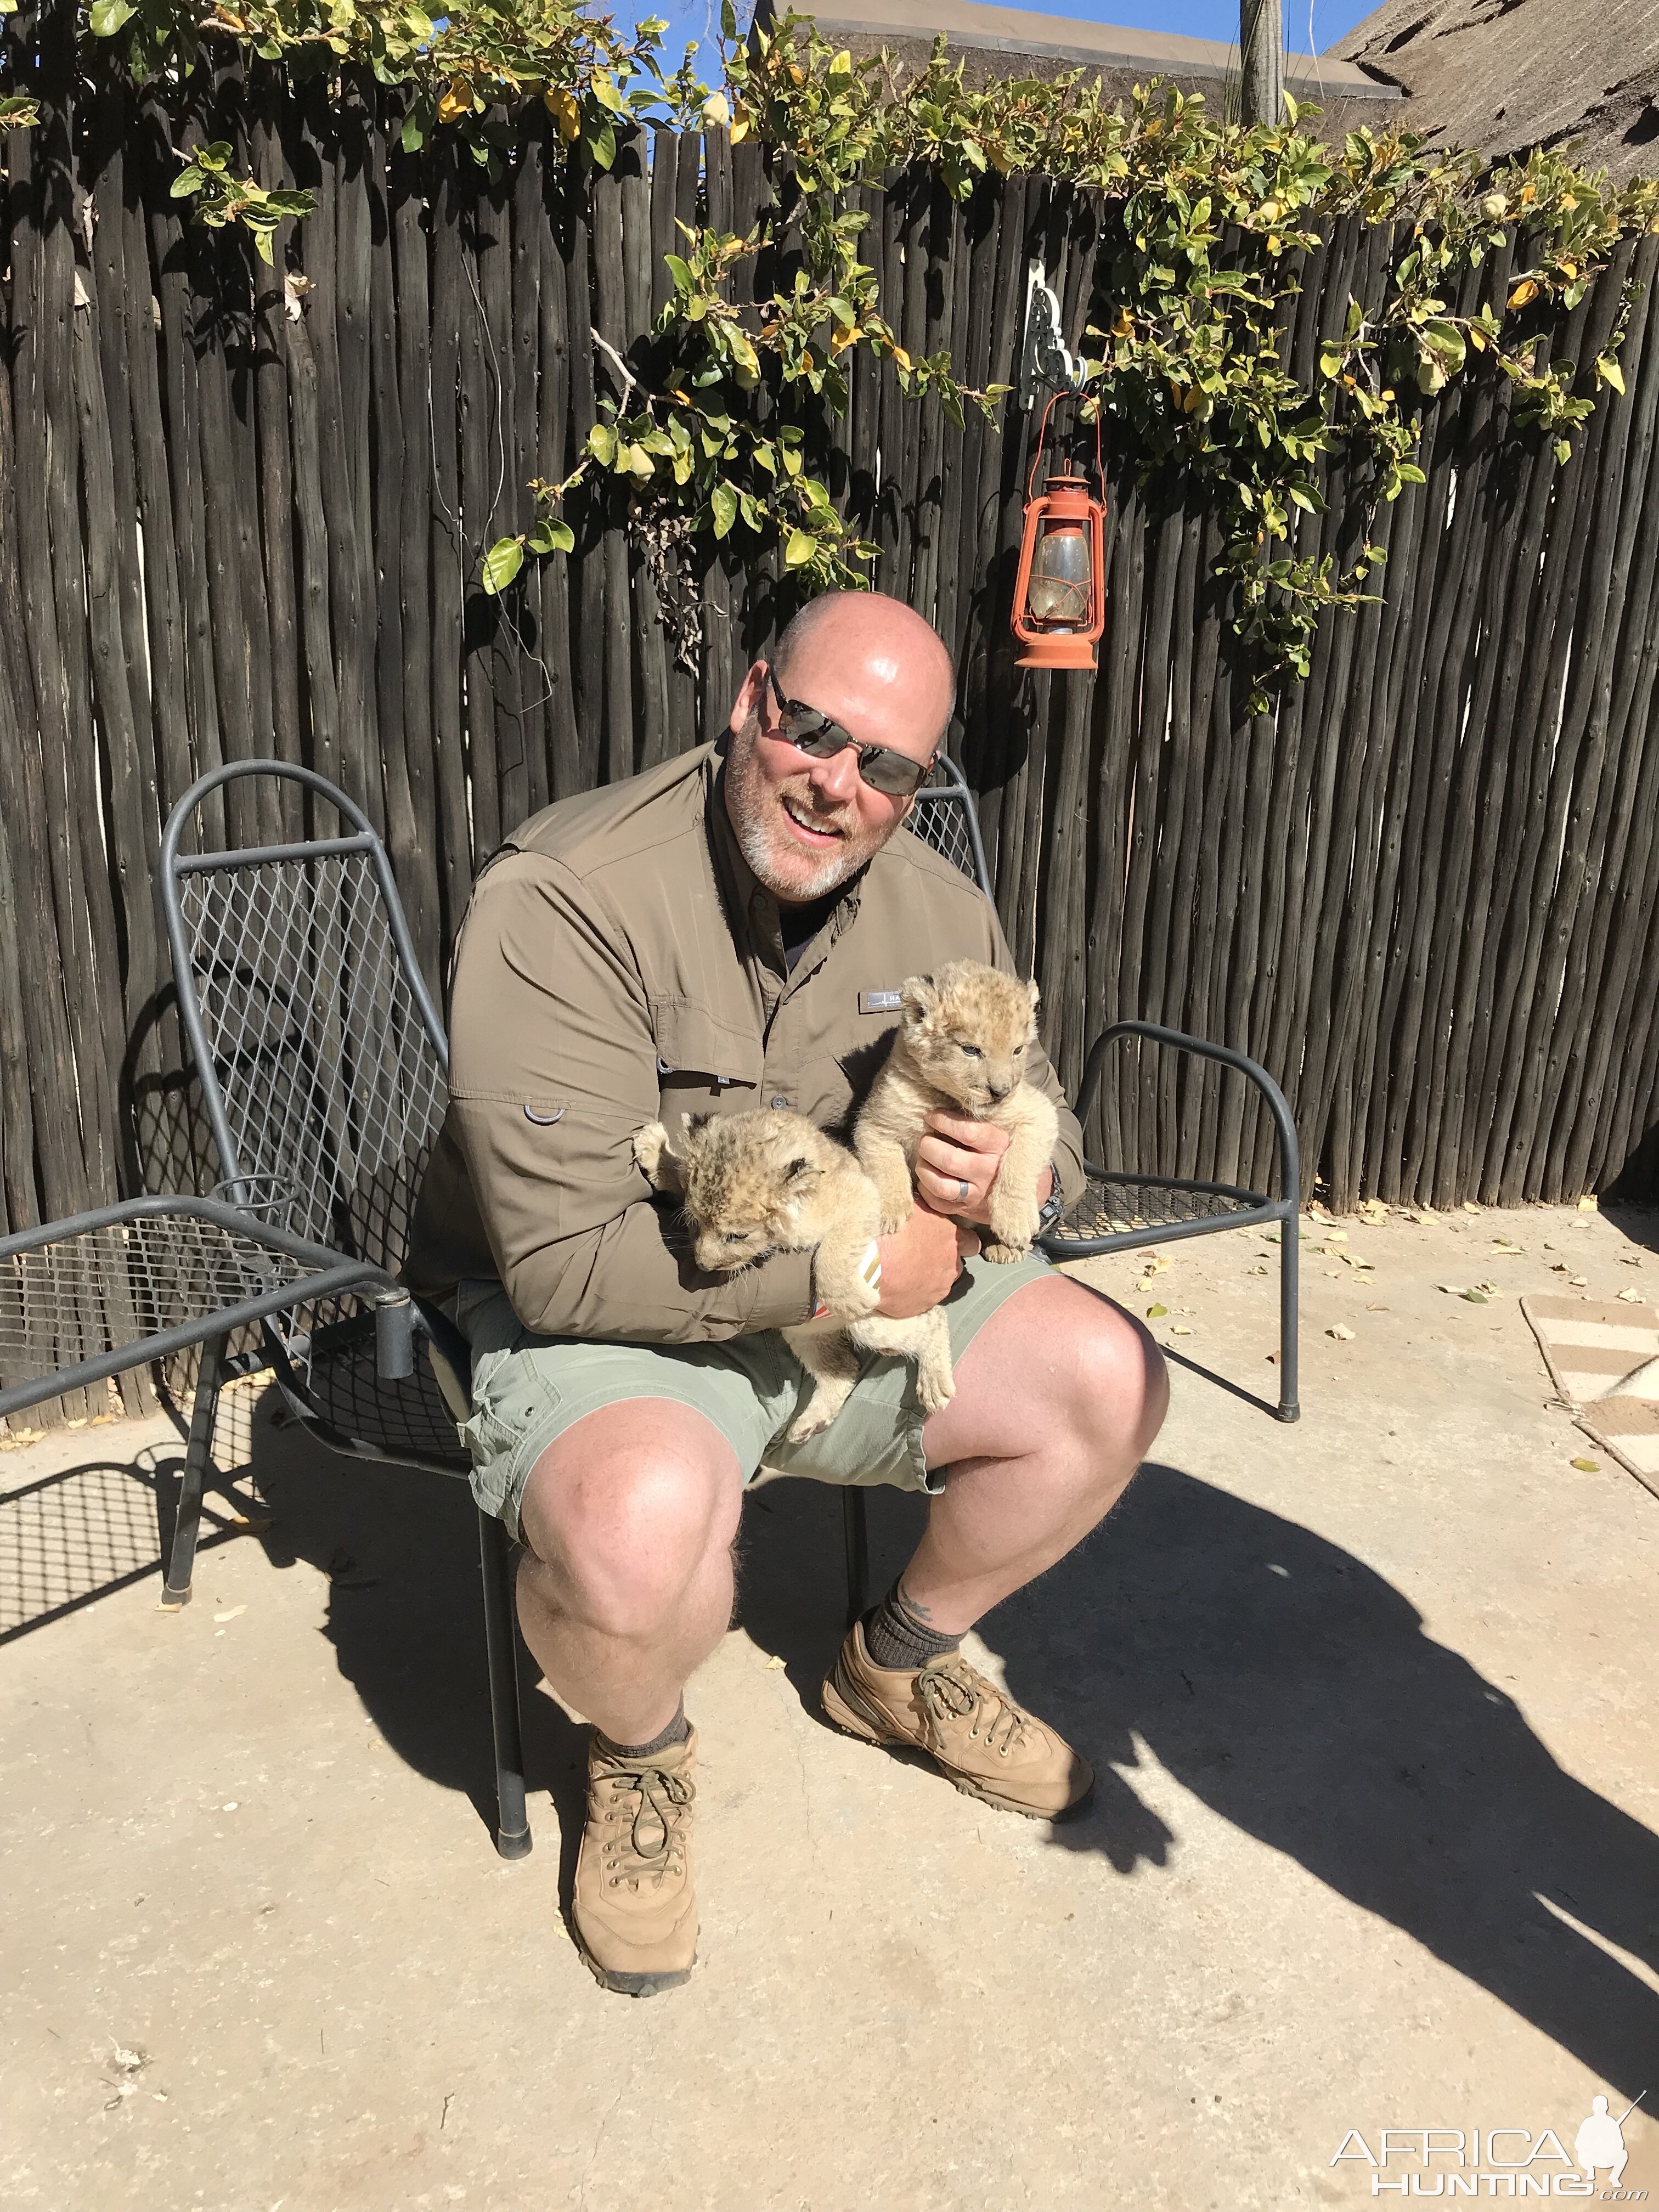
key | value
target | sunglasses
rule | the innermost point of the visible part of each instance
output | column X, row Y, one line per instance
column 811, row 731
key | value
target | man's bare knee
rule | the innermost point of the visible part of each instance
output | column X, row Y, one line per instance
column 1119, row 1382
column 620, row 1531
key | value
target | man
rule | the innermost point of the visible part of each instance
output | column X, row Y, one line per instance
column 720, row 934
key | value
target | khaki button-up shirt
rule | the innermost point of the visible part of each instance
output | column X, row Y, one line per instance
column 619, row 964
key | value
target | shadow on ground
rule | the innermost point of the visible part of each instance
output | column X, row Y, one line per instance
column 1279, row 1678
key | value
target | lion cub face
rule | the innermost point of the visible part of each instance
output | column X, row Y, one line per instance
column 748, row 1180
column 969, row 1030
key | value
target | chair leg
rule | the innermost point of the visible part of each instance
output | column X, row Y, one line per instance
column 512, row 1838
column 1290, row 1240
column 181, row 1560
column 856, row 1522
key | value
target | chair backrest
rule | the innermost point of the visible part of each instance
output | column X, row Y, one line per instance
column 944, row 817
column 322, row 1059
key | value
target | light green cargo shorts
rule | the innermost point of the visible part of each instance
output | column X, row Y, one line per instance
column 528, row 1389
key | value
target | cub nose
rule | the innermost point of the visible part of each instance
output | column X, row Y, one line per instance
column 1001, row 1090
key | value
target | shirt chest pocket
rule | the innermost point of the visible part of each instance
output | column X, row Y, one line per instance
column 701, row 1061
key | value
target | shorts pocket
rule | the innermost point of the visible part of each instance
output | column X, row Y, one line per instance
column 514, row 1404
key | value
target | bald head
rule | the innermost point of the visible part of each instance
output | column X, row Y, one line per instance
column 883, row 662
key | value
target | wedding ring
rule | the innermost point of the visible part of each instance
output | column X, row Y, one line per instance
column 961, row 1193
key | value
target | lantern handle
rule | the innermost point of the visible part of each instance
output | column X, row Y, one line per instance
column 1042, row 432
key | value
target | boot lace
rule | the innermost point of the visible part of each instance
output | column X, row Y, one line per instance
column 645, row 1810
column 951, row 1691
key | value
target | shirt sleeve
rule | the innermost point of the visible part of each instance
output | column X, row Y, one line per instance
column 553, row 1068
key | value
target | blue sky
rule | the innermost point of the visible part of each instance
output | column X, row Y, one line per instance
column 1328, row 20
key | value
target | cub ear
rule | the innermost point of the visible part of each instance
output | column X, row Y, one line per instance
column 694, row 1125
column 1035, row 989
column 801, row 1171
column 918, row 996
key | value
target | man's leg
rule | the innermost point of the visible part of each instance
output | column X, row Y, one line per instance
column 625, row 1588
column 1059, row 1397
column 1058, row 1400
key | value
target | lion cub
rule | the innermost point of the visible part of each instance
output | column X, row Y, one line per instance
column 963, row 1044
column 768, row 1181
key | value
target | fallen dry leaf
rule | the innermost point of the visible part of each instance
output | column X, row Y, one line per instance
column 1178, row 1328
column 234, row 1614
column 1156, row 1313
column 1336, row 1236
column 1588, row 1466
column 1320, row 1211
column 1373, row 1210
column 1376, row 1309
column 1341, row 1332
column 1587, row 1204
column 1272, row 1359
column 1579, row 1282
column 1503, row 1244
column 1259, row 1271
column 1631, row 1296
column 776, row 1660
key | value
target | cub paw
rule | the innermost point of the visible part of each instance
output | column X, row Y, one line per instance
column 935, row 1390
column 811, row 1423
column 1018, row 1227
column 649, row 1144
column 1001, row 1255
column 892, row 1220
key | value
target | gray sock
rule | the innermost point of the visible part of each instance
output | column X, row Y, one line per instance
column 895, row 1636
column 677, row 1731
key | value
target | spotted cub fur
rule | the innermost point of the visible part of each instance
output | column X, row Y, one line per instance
column 963, row 1042
column 768, row 1181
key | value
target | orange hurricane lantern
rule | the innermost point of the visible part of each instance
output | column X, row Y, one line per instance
column 1060, row 598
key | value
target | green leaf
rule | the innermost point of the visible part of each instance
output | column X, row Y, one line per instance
column 601, row 145
column 602, row 444
column 188, row 181
column 502, row 564
column 1156, row 1313
column 411, row 137
column 680, row 271
column 1610, row 372
column 724, row 501
column 106, row 17
column 800, row 549
column 1408, row 472
column 551, row 537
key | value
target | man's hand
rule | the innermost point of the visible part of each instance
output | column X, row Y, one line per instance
column 958, row 1151
column 921, row 1262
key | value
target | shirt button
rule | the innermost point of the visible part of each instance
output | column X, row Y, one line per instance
column 780, row 1101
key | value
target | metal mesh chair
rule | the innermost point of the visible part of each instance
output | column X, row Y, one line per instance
column 323, row 1065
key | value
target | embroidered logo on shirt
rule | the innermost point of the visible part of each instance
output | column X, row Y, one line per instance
column 880, row 1002
column 544, row 1121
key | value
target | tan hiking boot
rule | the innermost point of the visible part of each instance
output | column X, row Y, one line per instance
column 635, row 1909
column 980, row 1739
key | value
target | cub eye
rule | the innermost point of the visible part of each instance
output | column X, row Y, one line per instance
column 1018, row 1049
column 970, row 1052
column 736, row 1235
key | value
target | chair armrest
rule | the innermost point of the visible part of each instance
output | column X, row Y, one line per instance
column 1178, row 1040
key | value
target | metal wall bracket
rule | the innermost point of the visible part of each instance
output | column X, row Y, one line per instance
column 1045, row 365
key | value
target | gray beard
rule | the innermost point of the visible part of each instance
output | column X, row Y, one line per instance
column 834, row 868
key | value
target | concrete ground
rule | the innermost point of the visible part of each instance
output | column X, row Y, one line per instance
column 1372, row 1699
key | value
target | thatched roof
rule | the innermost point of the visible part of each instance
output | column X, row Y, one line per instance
column 1508, row 75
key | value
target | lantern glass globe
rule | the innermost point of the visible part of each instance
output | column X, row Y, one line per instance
column 1058, row 593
